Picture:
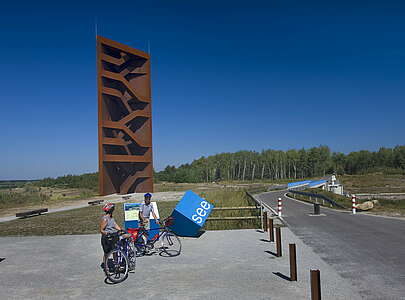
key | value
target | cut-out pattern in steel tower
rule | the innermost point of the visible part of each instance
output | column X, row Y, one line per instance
column 124, row 119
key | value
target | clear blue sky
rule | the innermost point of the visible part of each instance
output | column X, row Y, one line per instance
column 226, row 76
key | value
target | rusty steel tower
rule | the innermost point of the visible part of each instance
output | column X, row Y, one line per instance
column 124, row 119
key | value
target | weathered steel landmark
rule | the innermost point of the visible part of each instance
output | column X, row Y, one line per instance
column 124, row 119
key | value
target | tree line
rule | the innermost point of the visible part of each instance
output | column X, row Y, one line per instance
column 84, row 181
column 291, row 164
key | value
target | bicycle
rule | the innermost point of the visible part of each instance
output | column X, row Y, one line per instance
column 170, row 243
column 122, row 259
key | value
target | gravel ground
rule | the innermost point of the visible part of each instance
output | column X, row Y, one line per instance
column 218, row 265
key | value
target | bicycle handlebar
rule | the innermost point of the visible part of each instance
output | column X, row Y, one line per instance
column 161, row 224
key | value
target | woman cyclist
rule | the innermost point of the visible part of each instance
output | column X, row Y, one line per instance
column 108, row 229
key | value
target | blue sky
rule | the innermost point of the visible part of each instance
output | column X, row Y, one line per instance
column 226, row 76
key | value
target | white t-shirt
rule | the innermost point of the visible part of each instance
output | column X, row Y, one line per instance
column 146, row 210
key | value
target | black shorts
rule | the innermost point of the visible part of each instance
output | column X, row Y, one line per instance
column 108, row 242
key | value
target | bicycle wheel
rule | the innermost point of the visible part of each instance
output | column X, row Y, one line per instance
column 171, row 245
column 140, row 245
column 131, row 256
column 116, row 266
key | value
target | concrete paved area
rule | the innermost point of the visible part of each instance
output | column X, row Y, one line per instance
column 367, row 250
column 218, row 265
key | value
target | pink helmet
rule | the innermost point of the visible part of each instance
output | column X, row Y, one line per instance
column 108, row 206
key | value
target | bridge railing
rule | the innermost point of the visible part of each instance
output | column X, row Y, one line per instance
column 264, row 207
column 317, row 196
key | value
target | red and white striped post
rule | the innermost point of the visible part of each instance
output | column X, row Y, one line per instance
column 354, row 204
column 279, row 207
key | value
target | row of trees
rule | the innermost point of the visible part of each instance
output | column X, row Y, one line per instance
column 84, row 181
column 293, row 164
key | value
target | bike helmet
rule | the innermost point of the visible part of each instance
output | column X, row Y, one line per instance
column 108, row 206
column 148, row 195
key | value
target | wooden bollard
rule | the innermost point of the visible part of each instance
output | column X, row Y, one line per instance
column 315, row 285
column 293, row 262
column 271, row 230
column 265, row 221
column 278, row 242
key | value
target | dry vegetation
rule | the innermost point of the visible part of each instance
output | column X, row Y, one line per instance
column 75, row 221
column 231, row 198
column 224, row 194
column 85, row 220
column 373, row 183
column 29, row 196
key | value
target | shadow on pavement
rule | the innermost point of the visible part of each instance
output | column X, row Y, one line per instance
column 2, row 258
column 264, row 240
column 169, row 253
column 200, row 233
column 281, row 275
column 107, row 282
column 270, row 252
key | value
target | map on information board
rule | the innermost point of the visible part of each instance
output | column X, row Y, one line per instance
column 131, row 211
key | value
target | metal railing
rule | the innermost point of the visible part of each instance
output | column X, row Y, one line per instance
column 263, row 206
column 332, row 202
column 234, row 218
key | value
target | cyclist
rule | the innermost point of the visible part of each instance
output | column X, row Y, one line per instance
column 145, row 210
column 108, row 229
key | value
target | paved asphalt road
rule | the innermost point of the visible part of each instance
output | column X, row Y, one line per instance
column 367, row 250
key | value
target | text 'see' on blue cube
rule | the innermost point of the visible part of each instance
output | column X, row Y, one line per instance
column 190, row 214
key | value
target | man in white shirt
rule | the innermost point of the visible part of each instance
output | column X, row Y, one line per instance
column 145, row 210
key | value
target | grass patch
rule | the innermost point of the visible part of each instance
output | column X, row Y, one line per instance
column 373, row 183
column 391, row 204
column 76, row 221
column 231, row 198
column 85, row 220
column 10, row 184
column 205, row 187
column 179, row 187
column 30, row 195
column 389, row 207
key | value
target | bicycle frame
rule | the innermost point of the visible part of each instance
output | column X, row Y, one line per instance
column 123, row 245
column 143, row 232
column 120, row 260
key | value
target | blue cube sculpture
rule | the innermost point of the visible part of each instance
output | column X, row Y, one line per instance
column 190, row 214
